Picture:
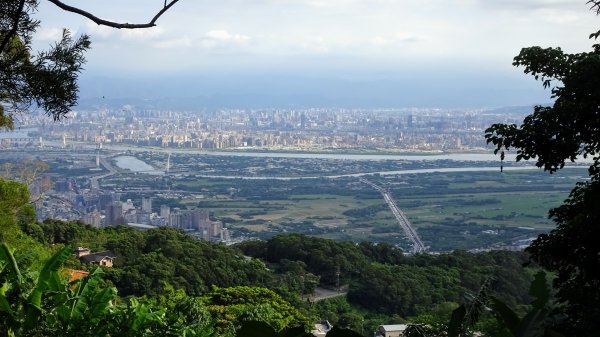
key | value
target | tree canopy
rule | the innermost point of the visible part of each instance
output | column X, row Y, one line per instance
column 554, row 135
column 47, row 79
column 568, row 129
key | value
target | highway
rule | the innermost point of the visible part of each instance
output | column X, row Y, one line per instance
column 94, row 180
column 418, row 246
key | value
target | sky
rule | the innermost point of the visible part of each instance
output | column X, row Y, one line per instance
column 354, row 53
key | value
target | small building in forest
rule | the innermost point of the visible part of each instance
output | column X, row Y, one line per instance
column 394, row 330
column 105, row 258
column 321, row 328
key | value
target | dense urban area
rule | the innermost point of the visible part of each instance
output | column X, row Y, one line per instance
column 398, row 130
column 397, row 176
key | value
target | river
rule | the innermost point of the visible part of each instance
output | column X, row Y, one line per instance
column 135, row 165
column 383, row 173
column 316, row 155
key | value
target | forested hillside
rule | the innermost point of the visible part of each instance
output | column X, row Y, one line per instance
column 292, row 265
column 227, row 284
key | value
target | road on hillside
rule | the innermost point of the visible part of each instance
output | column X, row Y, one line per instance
column 322, row 294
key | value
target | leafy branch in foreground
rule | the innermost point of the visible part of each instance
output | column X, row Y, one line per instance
column 535, row 323
column 45, row 304
column 595, row 7
column 47, row 80
column 554, row 135
column 568, row 129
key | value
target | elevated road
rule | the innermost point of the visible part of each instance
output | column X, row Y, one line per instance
column 417, row 246
column 94, row 180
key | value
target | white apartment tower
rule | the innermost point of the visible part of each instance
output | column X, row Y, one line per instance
column 165, row 211
column 147, row 205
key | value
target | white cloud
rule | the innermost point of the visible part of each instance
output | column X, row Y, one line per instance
column 222, row 38
column 49, row 34
column 529, row 5
column 327, row 3
column 142, row 34
column 361, row 32
column 316, row 44
column 181, row 42
column 561, row 18
column 332, row 3
column 407, row 37
column 223, row 35
column 379, row 41
column 400, row 39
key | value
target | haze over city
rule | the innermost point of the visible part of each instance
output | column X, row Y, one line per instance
column 303, row 53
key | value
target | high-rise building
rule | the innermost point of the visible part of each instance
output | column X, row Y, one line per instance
column 165, row 211
column 127, row 206
column 147, row 205
column 114, row 214
column 216, row 228
column 131, row 216
column 64, row 185
column 199, row 220
column 175, row 219
column 93, row 219
column 104, row 200
column 225, row 236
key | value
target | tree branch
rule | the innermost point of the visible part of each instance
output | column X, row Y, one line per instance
column 15, row 26
column 595, row 6
column 118, row 25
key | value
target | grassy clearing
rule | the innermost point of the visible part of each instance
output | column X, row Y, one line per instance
column 448, row 209
column 526, row 209
column 324, row 211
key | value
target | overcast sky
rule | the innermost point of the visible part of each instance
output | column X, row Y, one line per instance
column 461, row 45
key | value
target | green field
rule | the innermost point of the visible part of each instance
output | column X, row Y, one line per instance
column 527, row 209
column 450, row 210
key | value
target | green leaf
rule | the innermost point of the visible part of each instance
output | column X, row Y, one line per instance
column 34, row 301
column 4, row 305
column 7, row 256
column 540, row 290
column 143, row 317
column 455, row 326
column 84, row 295
column 54, row 264
column 506, row 315
column 337, row 332
column 294, row 332
column 100, row 304
column 256, row 329
column 531, row 325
